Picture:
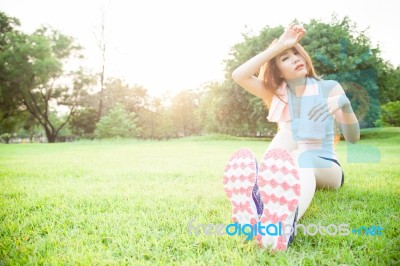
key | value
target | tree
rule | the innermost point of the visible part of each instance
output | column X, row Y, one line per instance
column 117, row 123
column 227, row 109
column 343, row 53
column 83, row 122
column 390, row 113
column 232, row 109
column 156, row 120
column 102, row 44
column 11, row 115
column 33, row 78
column 184, row 107
column 134, row 98
column 390, row 85
column 338, row 50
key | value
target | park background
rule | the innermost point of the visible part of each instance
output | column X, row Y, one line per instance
column 114, row 170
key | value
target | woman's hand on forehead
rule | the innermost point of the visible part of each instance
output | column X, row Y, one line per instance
column 291, row 36
column 297, row 28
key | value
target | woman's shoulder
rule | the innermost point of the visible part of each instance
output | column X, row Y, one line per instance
column 328, row 83
column 328, row 86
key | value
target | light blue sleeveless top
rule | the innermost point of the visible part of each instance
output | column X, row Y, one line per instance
column 314, row 137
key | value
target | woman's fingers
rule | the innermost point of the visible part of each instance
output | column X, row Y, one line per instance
column 320, row 110
column 289, row 27
column 292, row 35
column 300, row 35
column 297, row 27
column 317, row 115
column 300, row 32
column 323, row 110
column 315, row 109
column 325, row 116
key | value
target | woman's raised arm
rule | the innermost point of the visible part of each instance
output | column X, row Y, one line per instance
column 244, row 74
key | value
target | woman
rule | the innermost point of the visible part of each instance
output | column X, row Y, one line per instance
column 301, row 157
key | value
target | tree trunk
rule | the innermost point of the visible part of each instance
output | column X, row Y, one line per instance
column 102, row 45
column 51, row 136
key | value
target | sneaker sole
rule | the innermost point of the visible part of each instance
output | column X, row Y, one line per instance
column 239, row 178
column 279, row 186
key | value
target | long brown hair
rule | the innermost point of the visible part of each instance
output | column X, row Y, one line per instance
column 270, row 74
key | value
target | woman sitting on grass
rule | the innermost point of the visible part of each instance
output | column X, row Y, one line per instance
column 301, row 157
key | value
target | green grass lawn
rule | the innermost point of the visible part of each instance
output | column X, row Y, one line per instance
column 130, row 202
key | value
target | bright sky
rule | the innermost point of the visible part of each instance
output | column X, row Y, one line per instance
column 171, row 45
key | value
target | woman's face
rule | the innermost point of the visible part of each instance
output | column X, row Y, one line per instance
column 291, row 64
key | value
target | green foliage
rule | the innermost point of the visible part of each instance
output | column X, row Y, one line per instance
column 10, row 113
column 341, row 52
column 134, row 98
column 33, row 78
column 21, row 126
column 228, row 109
column 184, row 113
column 235, row 111
column 117, row 123
column 390, row 86
column 156, row 120
column 391, row 113
column 83, row 122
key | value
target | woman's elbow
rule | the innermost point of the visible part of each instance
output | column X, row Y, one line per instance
column 351, row 132
column 235, row 75
column 353, row 138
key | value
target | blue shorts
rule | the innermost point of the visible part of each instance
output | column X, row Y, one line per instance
column 335, row 161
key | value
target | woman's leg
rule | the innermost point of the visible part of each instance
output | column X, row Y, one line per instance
column 315, row 172
column 307, row 184
column 283, row 139
column 329, row 176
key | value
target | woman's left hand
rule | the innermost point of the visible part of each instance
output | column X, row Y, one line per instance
column 328, row 107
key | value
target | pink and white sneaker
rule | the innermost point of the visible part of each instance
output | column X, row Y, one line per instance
column 279, row 185
column 239, row 178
